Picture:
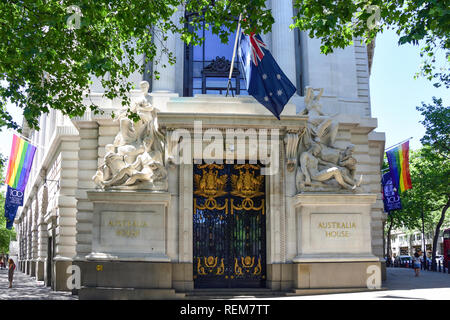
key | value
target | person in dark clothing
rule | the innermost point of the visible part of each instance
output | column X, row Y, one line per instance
column 416, row 261
column 11, row 269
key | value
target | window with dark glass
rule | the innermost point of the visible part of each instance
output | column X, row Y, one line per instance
column 207, row 67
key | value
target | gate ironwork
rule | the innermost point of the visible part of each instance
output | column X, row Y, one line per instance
column 229, row 226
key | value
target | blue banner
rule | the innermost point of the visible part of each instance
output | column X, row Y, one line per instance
column 13, row 200
column 391, row 198
column 10, row 215
column 14, row 196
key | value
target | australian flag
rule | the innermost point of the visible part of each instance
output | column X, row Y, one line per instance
column 264, row 78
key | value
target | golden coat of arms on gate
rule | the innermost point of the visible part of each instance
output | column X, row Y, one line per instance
column 246, row 185
column 209, row 184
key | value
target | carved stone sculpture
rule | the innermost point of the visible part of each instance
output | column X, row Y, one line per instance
column 321, row 126
column 309, row 165
column 322, row 166
column 136, row 157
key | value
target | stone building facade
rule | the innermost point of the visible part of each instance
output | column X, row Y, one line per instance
column 122, row 234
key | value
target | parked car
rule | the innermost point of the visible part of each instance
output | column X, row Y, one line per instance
column 402, row 260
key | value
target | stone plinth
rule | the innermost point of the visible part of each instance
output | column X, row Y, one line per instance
column 129, row 243
column 334, row 241
column 129, row 225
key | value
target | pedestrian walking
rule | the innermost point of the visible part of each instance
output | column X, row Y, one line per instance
column 12, row 267
column 1, row 262
column 416, row 262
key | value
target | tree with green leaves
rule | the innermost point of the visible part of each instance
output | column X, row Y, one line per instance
column 437, row 153
column 50, row 50
column 5, row 235
column 430, row 176
column 429, row 196
column 421, row 22
column 437, row 124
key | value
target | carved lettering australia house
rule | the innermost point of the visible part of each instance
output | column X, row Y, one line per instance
column 171, row 204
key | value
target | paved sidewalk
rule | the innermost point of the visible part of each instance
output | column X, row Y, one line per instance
column 403, row 279
column 400, row 285
column 27, row 288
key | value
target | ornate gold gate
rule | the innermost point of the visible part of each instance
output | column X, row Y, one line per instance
column 229, row 226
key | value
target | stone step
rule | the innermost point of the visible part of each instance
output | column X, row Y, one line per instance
column 230, row 293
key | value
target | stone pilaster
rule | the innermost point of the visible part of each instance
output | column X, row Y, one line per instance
column 50, row 128
column 42, row 139
column 185, row 213
column 87, row 167
column 167, row 80
column 34, row 233
column 66, row 202
column 283, row 40
column 42, row 235
column 166, row 86
column 27, row 244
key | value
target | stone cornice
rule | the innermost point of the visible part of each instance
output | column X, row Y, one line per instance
column 333, row 199
column 129, row 196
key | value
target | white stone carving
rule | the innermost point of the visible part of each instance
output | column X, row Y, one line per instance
column 321, row 166
column 136, row 158
column 291, row 141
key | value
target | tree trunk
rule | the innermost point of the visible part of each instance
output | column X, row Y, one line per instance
column 388, row 244
column 436, row 234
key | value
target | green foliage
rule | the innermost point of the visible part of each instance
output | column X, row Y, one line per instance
column 430, row 177
column 430, row 174
column 420, row 22
column 5, row 234
column 437, row 125
column 47, row 60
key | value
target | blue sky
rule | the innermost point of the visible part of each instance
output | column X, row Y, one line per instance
column 394, row 93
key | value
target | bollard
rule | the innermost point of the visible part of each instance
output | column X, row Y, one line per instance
column 439, row 265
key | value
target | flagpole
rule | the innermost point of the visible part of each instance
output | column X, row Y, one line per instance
column 27, row 139
column 234, row 56
column 398, row 144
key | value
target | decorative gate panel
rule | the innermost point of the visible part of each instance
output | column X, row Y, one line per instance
column 229, row 226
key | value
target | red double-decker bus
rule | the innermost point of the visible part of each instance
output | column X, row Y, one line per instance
column 446, row 252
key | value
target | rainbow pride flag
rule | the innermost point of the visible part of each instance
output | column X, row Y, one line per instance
column 20, row 161
column 398, row 159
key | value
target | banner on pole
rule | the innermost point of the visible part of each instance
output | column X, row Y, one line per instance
column 391, row 197
column 14, row 197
